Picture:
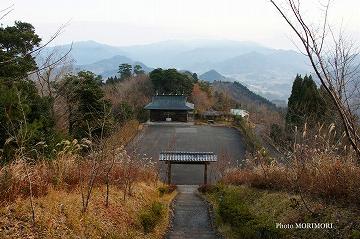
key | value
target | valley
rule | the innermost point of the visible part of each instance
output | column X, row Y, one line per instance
column 266, row 71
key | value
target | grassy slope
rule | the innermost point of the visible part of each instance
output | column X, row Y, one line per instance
column 58, row 215
column 266, row 208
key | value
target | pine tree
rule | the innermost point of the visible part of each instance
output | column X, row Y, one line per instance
column 138, row 70
column 25, row 117
column 125, row 71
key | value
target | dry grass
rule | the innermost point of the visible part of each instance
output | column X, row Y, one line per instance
column 56, row 190
column 70, row 168
column 324, row 177
column 319, row 165
column 59, row 216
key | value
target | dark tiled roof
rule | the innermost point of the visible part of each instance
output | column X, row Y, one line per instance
column 191, row 157
column 169, row 102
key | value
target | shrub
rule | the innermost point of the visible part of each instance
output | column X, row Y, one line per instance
column 123, row 112
column 151, row 216
column 206, row 188
column 142, row 115
column 234, row 212
column 355, row 234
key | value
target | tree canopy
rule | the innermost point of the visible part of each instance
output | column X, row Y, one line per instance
column 138, row 70
column 305, row 103
column 86, row 106
column 16, row 45
column 125, row 71
column 25, row 117
column 171, row 81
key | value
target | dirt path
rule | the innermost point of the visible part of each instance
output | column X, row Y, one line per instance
column 191, row 216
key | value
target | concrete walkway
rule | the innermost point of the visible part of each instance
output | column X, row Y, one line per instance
column 191, row 217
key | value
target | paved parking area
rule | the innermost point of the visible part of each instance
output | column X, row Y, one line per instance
column 227, row 143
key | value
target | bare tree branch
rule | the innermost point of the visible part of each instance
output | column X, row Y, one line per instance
column 335, row 68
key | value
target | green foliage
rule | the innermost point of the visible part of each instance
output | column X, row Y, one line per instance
column 233, row 211
column 305, row 103
column 25, row 118
column 195, row 76
column 112, row 80
column 151, row 216
column 125, row 71
column 171, row 81
column 125, row 111
column 138, row 70
column 88, row 111
column 142, row 115
column 16, row 44
column 355, row 234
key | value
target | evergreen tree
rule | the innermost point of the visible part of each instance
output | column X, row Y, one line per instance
column 305, row 103
column 16, row 44
column 25, row 117
column 171, row 81
column 138, row 70
column 125, row 71
column 112, row 80
column 86, row 106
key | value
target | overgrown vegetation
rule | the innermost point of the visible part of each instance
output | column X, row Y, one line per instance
column 64, row 168
column 252, row 142
column 238, row 215
column 151, row 216
column 58, row 215
column 320, row 165
column 166, row 189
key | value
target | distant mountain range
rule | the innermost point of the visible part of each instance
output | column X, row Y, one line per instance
column 242, row 94
column 212, row 76
column 268, row 72
column 109, row 67
column 237, row 91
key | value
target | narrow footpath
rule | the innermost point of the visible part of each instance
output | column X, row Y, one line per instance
column 191, row 216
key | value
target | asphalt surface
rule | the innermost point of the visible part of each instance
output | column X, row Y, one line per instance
column 226, row 142
column 191, row 218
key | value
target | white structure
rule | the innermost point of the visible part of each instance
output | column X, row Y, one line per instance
column 239, row 112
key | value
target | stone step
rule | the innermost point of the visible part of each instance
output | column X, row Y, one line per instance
column 192, row 235
column 191, row 216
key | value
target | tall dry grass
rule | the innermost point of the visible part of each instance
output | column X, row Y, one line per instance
column 71, row 169
column 320, row 165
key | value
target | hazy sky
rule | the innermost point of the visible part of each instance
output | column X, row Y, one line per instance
column 120, row 22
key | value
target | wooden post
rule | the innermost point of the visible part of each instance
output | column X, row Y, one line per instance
column 169, row 173
column 205, row 174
